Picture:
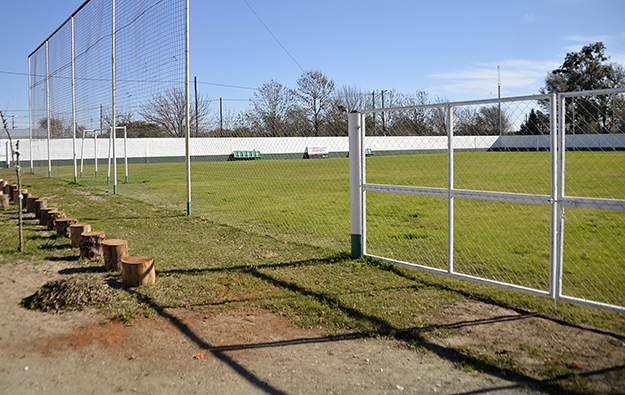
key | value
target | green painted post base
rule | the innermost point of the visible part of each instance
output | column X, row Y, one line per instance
column 50, row 174
column 188, row 209
column 96, row 174
column 75, row 180
column 108, row 180
column 126, row 179
column 356, row 246
column 115, row 189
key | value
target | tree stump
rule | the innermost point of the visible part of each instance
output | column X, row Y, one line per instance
column 114, row 251
column 5, row 187
column 91, row 244
column 30, row 203
column 16, row 195
column 75, row 232
column 39, row 204
column 12, row 189
column 4, row 200
column 43, row 215
column 138, row 270
column 63, row 224
column 53, row 216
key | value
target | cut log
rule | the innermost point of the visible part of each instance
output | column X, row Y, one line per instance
column 39, row 204
column 114, row 251
column 91, row 244
column 5, row 187
column 43, row 215
column 4, row 200
column 62, row 226
column 53, row 216
column 30, row 203
column 138, row 270
column 75, row 232
column 16, row 195
column 12, row 189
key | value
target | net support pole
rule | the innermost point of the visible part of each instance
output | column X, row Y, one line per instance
column 355, row 183
column 126, row 152
column 48, row 108
column 74, row 109
column 113, row 129
column 30, row 119
column 187, row 108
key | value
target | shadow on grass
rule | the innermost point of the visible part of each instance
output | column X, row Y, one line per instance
column 83, row 270
column 74, row 258
column 218, row 352
column 418, row 336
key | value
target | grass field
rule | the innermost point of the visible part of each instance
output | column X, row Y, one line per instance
column 206, row 265
column 308, row 202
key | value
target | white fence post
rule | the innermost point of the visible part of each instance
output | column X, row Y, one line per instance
column 355, row 182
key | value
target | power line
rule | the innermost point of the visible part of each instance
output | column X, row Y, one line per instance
column 126, row 80
column 274, row 37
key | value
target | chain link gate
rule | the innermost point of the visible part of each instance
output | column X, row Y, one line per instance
column 474, row 190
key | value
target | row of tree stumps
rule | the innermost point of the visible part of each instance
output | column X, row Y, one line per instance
column 136, row 270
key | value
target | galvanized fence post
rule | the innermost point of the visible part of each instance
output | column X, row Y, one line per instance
column 355, row 182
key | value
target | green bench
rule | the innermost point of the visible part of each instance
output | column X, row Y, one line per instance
column 244, row 155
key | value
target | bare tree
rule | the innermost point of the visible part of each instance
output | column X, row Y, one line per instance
column 270, row 109
column 314, row 93
column 168, row 111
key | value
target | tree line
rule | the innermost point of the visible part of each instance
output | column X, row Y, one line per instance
column 317, row 107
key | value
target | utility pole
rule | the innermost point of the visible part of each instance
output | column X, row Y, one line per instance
column 221, row 118
column 373, row 107
column 197, row 126
column 499, row 97
column 383, row 120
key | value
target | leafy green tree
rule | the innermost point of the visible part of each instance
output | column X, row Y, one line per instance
column 588, row 69
column 536, row 123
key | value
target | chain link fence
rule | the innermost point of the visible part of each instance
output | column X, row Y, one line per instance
column 475, row 190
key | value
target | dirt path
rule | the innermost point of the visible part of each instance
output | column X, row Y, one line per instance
column 244, row 352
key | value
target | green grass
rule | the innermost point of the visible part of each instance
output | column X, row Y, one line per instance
column 213, row 267
column 307, row 201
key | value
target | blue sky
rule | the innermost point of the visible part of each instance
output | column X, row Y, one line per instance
column 450, row 49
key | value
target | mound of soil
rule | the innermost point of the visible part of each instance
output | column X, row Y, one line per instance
column 73, row 293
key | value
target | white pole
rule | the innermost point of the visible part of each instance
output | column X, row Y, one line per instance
column 113, row 129
column 450, row 187
column 187, row 109
column 74, row 108
column 48, row 109
column 95, row 151
column 82, row 152
column 126, row 152
column 355, row 183
column 108, row 176
column 553, row 134
column 30, row 119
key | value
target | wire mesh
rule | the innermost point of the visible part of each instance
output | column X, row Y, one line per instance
column 72, row 73
column 594, row 167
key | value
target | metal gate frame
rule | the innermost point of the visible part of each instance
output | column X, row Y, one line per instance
column 557, row 200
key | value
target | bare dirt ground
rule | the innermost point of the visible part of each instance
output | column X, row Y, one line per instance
column 261, row 352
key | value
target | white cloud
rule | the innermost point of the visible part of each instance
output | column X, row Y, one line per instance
column 518, row 76
column 529, row 18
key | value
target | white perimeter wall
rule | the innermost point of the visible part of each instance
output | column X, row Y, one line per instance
column 164, row 147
